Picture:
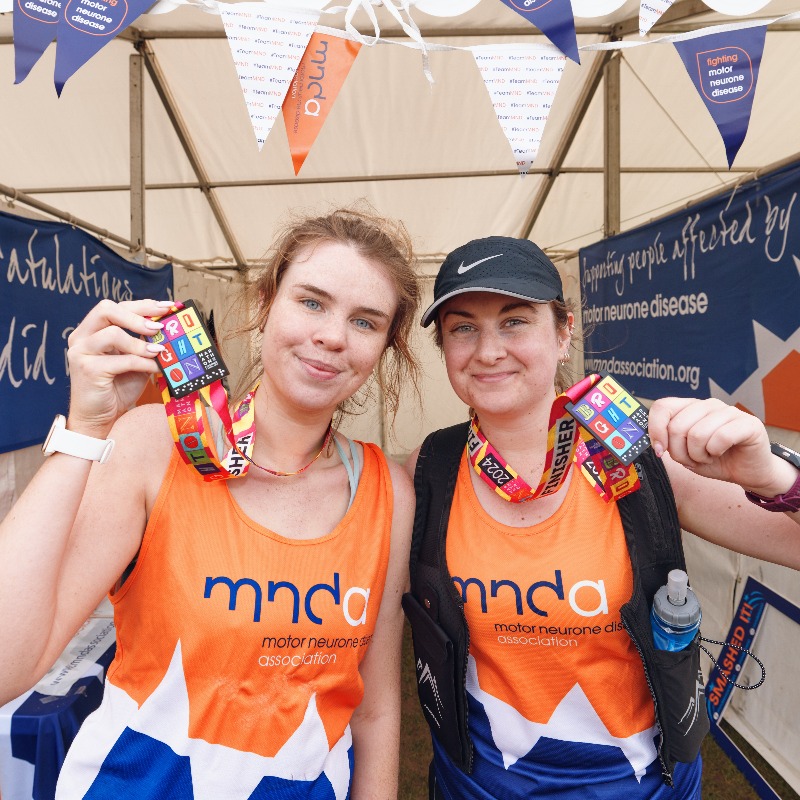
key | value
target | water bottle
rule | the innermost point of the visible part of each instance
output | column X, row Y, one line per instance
column 675, row 616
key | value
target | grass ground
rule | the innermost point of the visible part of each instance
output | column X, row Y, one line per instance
column 721, row 779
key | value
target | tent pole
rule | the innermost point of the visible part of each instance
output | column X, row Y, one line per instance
column 16, row 196
column 137, row 192
column 182, row 130
column 570, row 131
column 496, row 173
column 612, row 156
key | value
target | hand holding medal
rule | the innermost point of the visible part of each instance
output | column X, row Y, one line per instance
column 109, row 366
column 191, row 375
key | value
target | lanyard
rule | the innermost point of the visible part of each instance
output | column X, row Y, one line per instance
column 187, row 422
column 566, row 442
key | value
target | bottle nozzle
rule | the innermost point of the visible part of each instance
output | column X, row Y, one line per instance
column 677, row 585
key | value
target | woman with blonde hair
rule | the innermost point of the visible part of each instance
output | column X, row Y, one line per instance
column 258, row 620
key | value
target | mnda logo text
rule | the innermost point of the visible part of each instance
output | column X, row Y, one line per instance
column 556, row 587
column 273, row 587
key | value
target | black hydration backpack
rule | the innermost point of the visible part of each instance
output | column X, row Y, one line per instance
column 434, row 606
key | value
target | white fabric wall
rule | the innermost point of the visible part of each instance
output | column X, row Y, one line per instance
column 766, row 717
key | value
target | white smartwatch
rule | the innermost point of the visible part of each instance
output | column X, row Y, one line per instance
column 60, row 440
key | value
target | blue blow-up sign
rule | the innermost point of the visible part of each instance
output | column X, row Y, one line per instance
column 51, row 276
column 706, row 302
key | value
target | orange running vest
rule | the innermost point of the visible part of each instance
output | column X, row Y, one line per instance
column 238, row 651
column 542, row 604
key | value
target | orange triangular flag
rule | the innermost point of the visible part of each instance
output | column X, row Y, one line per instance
column 315, row 86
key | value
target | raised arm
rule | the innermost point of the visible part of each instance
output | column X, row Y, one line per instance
column 713, row 453
column 376, row 722
column 77, row 526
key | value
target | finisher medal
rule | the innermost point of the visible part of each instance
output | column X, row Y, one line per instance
column 613, row 417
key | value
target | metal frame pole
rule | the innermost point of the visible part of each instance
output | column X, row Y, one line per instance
column 137, row 193
column 612, row 148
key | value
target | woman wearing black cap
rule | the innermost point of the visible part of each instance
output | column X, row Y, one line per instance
column 530, row 601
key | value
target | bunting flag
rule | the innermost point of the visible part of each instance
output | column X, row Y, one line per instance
column 85, row 27
column 554, row 18
column 35, row 24
column 724, row 69
column 267, row 44
column 522, row 81
column 315, row 87
column 650, row 12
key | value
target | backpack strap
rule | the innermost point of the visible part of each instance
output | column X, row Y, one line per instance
column 434, row 483
column 434, row 606
column 653, row 535
column 652, row 509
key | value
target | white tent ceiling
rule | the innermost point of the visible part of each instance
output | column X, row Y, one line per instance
column 433, row 156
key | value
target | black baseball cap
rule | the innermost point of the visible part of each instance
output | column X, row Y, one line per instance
column 500, row 264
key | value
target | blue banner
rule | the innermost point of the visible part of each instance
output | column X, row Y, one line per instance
column 755, row 600
column 86, row 26
column 51, row 276
column 554, row 18
column 724, row 70
column 732, row 658
column 704, row 303
column 34, row 28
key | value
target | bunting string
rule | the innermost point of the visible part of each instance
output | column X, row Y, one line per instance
column 287, row 62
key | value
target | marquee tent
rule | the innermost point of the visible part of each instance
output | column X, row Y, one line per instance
column 151, row 148
column 433, row 155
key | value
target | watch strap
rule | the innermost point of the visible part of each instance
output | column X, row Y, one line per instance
column 61, row 440
column 790, row 499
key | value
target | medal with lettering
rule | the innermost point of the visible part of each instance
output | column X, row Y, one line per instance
column 614, row 435
column 613, row 417
column 192, row 371
column 567, row 442
column 189, row 361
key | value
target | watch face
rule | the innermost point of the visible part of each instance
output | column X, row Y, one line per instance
column 58, row 424
column 786, row 453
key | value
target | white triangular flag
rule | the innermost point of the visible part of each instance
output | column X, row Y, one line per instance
column 267, row 43
column 522, row 81
column 650, row 12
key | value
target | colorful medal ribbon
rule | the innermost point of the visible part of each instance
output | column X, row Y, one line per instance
column 192, row 372
column 566, row 442
column 188, row 424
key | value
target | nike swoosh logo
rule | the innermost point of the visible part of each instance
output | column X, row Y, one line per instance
column 462, row 269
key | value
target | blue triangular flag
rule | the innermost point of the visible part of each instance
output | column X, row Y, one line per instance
column 34, row 28
column 554, row 18
column 724, row 69
column 86, row 26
